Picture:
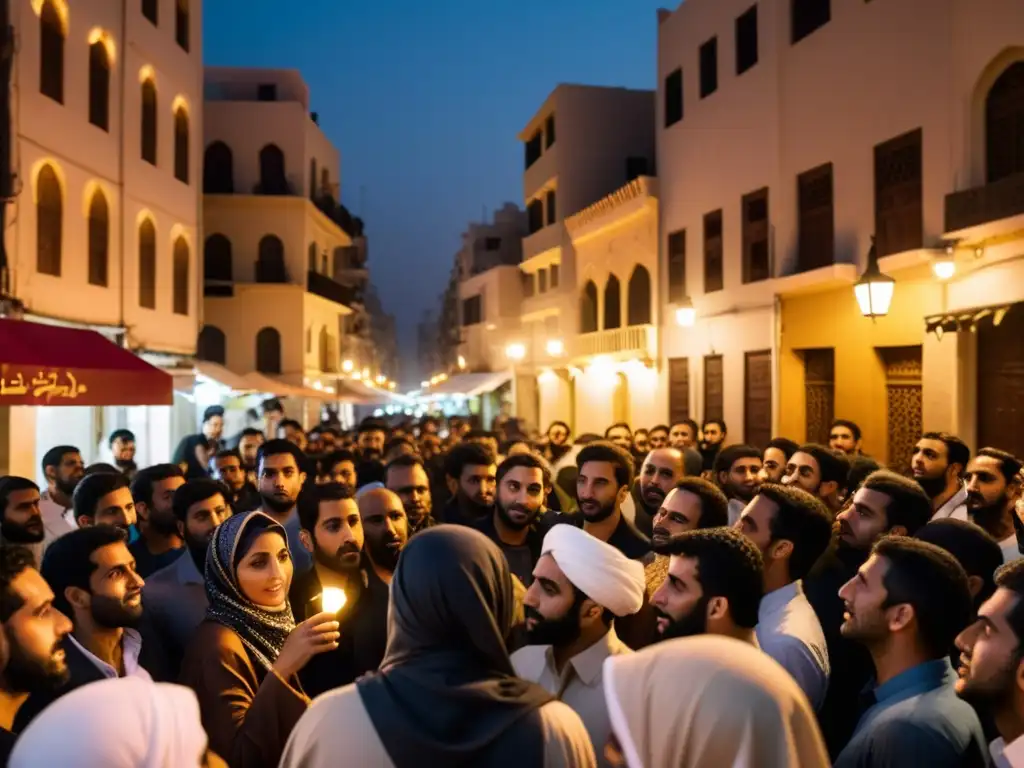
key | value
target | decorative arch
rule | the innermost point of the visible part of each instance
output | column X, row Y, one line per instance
column 182, row 257
column 217, row 258
column 99, row 84
column 52, row 31
column 99, row 239
column 272, row 171
column 181, row 141
column 270, row 261
column 612, row 303
column 979, row 97
column 588, row 308
column 218, row 170
column 147, row 264
column 1004, row 124
column 638, row 307
column 149, row 121
column 268, row 350
column 212, row 345
column 49, row 221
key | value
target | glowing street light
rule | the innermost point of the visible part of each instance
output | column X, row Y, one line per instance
column 555, row 347
column 347, row 366
column 874, row 289
column 515, row 351
column 686, row 315
column 462, row 362
column 944, row 264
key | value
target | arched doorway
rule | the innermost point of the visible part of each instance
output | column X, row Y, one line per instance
column 588, row 308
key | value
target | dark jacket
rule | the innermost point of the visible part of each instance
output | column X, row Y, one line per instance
column 518, row 565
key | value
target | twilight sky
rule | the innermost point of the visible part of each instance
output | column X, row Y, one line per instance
column 424, row 101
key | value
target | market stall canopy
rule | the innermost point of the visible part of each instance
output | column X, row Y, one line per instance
column 470, row 384
column 274, row 386
column 364, row 394
column 53, row 365
column 223, row 376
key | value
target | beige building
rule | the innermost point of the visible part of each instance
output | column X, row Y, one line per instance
column 103, row 232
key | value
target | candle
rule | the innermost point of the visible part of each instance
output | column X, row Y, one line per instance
column 333, row 599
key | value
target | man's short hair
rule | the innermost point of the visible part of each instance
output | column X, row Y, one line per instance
column 733, row 453
column 957, row 451
column 480, row 434
column 289, row 424
column 784, row 444
column 720, row 422
column 1011, row 577
column 309, row 502
column 280, row 446
column 146, row 479
column 212, row 412
column 13, row 562
column 728, row 565
column 689, row 423
column 658, row 428
column 972, row 546
column 125, row 435
column 909, row 506
column 618, row 425
column 229, row 453
column 1009, row 465
column 271, row 404
column 12, row 484
column 92, row 488
column 561, row 424
column 406, row 460
column 250, row 432
column 466, row 455
column 931, row 580
column 802, row 519
column 860, row 467
column 612, row 454
column 334, row 458
column 67, row 560
column 195, row 491
column 371, row 424
column 54, row 456
column 714, row 506
column 396, row 441
column 524, row 460
column 834, row 467
column 850, row 425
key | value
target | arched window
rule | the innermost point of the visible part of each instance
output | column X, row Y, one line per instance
column 212, row 345
column 272, row 177
column 181, row 144
column 268, row 351
column 49, row 222
column 588, row 308
column 147, row 265
column 99, row 85
column 99, row 239
column 270, row 262
column 217, row 258
column 638, row 311
column 149, row 121
column 51, row 52
column 612, row 303
column 218, row 170
column 181, row 270
column 181, row 22
column 312, row 253
column 1004, row 124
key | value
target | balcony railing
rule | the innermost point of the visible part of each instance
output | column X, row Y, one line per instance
column 634, row 341
column 273, row 187
column 323, row 286
column 999, row 200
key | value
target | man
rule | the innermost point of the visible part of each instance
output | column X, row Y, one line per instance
column 159, row 542
column 396, row 446
column 792, row 529
column 31, row 654
column 280, row 480
column 660, row 473
column 430, row 447
column 469, row 469
column 248, row 447
column 621, row 435
column 22, row 521
column 370, row 443
column 775, row 459
column 736, row 471
column 977, row 552
column 521, row 481
column 273, row 414
column 558, row 440
column 291, row 430
column 992, row 481
column 385, row 531
column 227, row 467
column 488, row 440
column 122, row 449
column 407, row 477
column 820, row 471
column 938, row 461
column 95, row 584
column 604, row 477
column 580, row 586
column 63, row 468
column 906, row 605
column 683, row 434
column 339, row 467
column 713, row 434
column 175, row 596
column 844, row 437
column 714, row 585
column 332, row 532
column 213, row 426
column 657, row 438
column 104, row 499
column 991, row 677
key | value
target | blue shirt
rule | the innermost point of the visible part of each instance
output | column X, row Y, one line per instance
column 917, row 719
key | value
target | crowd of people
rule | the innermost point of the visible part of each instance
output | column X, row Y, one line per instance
column 433, row 594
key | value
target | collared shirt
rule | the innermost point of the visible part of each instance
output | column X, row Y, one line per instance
column 955, row 507
column 580, row 683
column 1007, row 755
column 55, row 518
column 916, row 719
column 736, row 507
column 788, row 630
column 131, row 648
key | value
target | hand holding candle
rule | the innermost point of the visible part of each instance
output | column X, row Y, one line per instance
column 332, row 599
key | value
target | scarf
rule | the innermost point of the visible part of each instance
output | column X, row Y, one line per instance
column 262, row 632
column 446, row 684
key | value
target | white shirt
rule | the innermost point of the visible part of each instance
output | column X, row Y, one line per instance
column 736, row 507
column 1007, row 755
column 55, row 518
column 955, row 507
column 131, row 647
column 788, row 630
column 1010, row 550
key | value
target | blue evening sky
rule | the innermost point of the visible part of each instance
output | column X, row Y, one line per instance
column 424, row 101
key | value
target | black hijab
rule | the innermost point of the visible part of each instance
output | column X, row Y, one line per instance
column 446, row 693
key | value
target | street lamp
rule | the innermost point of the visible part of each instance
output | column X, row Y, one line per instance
column 944, row 264
column 686, row 315
column 555, row 347
column 347, row 366
column 462, row 363
column 515, row 352
column 874, row 289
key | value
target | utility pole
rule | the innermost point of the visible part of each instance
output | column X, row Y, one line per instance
column 7, row 299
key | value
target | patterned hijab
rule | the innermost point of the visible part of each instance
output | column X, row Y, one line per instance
column 262, row 632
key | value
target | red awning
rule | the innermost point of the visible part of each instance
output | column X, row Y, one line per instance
column 52, row 365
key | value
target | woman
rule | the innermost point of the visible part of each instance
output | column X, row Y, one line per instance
column 446, row 694
column 124, row 722
column 193, row 456
column 737, row 709
column 244, row 659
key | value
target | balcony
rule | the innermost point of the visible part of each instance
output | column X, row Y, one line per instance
column 273, row 187
column 1002, row 199
column 542, row 240
column 325, row 287
column 635, row 341
column 329, row 207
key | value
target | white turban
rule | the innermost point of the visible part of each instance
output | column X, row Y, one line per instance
column 596, row 569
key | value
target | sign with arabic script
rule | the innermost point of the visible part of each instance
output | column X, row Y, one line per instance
column 42, row 387
column 21, row 385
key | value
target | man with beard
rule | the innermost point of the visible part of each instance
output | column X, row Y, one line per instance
column 122, row 450
column 714, row 585
column 938, row 460
column 658, row 437
column 992, row 481
column 621, row 435
column 159, row 542
column 683, row 434
column 519, row 501
column 104, row 499
column 31, row 653
column 469, row 469
column 407, row 476
column 844, row 437
column 660, row 473
column 991, row 677
column 95, row 584
column 906, row 606
column 370, row 443
column 820, row 471
column 580, row 586
column 385, row 532
column 339, row 467
column 249, row 443
column 22, row 521
column 792, row 529
column 227, row 467
column 63, row 468
column 736, row 472
column 775, row 459
column 175, row 596
column 558, row 440
column 713, row 434
column 886, row 503
column 281, row 478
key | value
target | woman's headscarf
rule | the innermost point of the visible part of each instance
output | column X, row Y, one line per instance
column 125, row 722
column 262, row 632
column 709, row 701
column 446, row 690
